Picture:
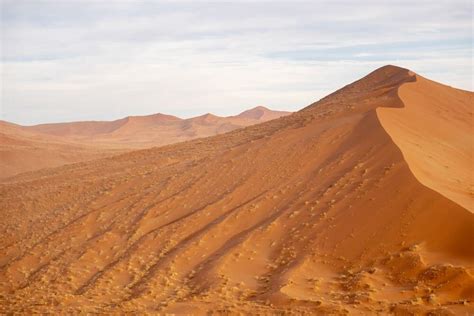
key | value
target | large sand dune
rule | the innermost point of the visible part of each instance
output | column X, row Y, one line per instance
column 319, row 212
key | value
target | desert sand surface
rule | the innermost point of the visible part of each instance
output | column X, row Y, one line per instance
column 435, row 134
column 29, row 148
column 154, row 130
column 320, row 212
column 24, row 151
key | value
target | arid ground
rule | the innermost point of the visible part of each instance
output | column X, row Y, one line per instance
column 360, row 203
column 30, row 148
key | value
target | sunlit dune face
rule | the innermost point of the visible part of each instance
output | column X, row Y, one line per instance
column 435, row 134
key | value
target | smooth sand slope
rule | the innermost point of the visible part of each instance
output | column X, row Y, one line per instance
column 29, row 148
column 435, row 132
column 313, row 213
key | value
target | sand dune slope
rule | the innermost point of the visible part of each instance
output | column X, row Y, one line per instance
column 435, row 133
column 313, row 213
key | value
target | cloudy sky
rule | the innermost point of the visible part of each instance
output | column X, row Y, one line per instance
column 69, row 60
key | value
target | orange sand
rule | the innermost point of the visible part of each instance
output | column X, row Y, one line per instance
column 29, row 148
column 435, row 134
column 318, row 212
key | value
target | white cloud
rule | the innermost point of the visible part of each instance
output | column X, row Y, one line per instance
column 93, row 60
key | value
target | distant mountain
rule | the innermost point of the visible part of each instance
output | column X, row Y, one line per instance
column 85, row 129
column 28, row 148
column 153, row 130
column 262, row 113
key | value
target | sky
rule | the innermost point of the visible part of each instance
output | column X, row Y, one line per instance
column 70, row 60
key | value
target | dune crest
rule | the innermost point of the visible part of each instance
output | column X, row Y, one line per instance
column 434, row 131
